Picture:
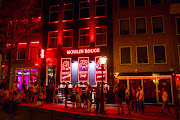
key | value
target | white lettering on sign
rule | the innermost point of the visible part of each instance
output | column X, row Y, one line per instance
column 84, row 51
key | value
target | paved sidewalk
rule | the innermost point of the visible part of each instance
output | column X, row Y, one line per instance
column 151, row 112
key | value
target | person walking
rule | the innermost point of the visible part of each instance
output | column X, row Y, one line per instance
column 165, row 101
column 66, row 92
column 118, row 97
column 127, row 97
column 97, row 97
column 141, row 99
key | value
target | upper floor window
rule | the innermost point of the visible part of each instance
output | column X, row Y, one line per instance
column 157, row 24
column 34, row 50
column 84, row 37
column 142, row 55
column 100, row 7
column 124, row 27
column 139, row 3
column 84, row 9
column 67, row 38
column 68, row 11
column 178, row 25
column 140, row 26
column 101, row 36
column 125, row 53
column 52, row 39
column 155, row 2
column 53, row 13
column 160, row 54
column 21, row 51
column 123, row 3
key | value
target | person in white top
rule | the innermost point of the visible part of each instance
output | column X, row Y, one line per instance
column 165, row 101
column 127, row 97
column 141, row 99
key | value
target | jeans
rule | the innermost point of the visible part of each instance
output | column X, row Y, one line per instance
column 97, row 105
column 165, row 104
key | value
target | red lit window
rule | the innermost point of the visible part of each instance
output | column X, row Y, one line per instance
column 53, row 13
column 68, row 11
column 34, row 50
column 84, row 9
column 52, row 39
column 101, row 36
column 84, row 37
column 100, row 7
column 21, row 51
column 67, row 38
column 124, row 27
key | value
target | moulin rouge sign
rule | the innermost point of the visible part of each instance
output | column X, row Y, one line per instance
column 83, row 51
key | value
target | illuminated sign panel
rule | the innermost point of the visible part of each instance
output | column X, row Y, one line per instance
column 83, row 51
column 65, row 70
column 98, row 70
column 83, row 69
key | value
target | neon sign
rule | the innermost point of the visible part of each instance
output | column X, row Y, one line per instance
column 42, row 54
column 83, row 69
column 98, row 70
column 65, row 70
column 83, row 51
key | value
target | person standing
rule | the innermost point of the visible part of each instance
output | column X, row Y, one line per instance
column 35, row 92
column 31, row 87
column 15, row 89
column 141, row 99
column 78, row 97
column 66, row 92
column 134, row 104
column 165, row 101
column 55, row 93
column 73, row 96
column 137, row 99
column 127, row 97
column 97, row 97
column 24, row 88
column 89, row 97
column 118, row 97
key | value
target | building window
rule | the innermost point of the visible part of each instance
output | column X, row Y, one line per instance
column 84, row 37
column 155, row 2
column 142, row 55
column 123, row 3
column 157, row 24
column 124, row 27
column 53, row 13
column 178, row 25
column 125, row 55
column 160, row 54
column 67, row 38
column 100, row 7
column 21, row 51
column 140, row 26
column 139, row 3
column 101, row 34
column 34, row 50
column 52, row 39
column 84, row 9
column 68, row 11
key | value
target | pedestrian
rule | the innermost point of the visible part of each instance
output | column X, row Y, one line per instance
column 141, row 99
column 42, row 93
column 35, row 92
column 83, row 98
column 24, row 88
column 66, row 92
column 118, row 97
column 134, row 104
column 89, row 98
column 55, row 93
column 127, row 97
column 78, row 97
column 97, row 97
column 137, row 99
column 15, row 88
column 31, row 88
column 165, row 101
column 73, row 96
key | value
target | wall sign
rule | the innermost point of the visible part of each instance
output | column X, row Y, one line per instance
column 83, row 69
column 98, row 70
column 83, row 51
column 65, row 70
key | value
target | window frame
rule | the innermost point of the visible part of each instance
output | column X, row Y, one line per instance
column 139, row 6
column 156, row 4
column 137, row 54
column 162, row 21
column 84, row 8
column 30, row 50
column 123, row 8
column 176, row 25
column 53, row 12
column 101, row 5
column 101, row 33
column 52, row 37
column 120, row 27
column 145, row 25
column 165, row 53
column 67, row 36
column 130, row 54
column 68, row 10
column 18, row 51
column 83, row 35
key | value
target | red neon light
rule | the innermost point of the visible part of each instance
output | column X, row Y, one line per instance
column 83, row 51
column 22, row 43
column 83, row 69
column 35, row 42
column 3, row 66
column 65, row 70
column 42, row 53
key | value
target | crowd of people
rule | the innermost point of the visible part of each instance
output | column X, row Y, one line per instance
column 81, row 98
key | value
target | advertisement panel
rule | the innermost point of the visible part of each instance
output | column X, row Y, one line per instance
column 83, row 69
column 65, row 70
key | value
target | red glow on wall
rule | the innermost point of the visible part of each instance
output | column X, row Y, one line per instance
column 42, row 54
column 83, row 51
column 22, row 43
column 37, row 42
column 3, row 66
